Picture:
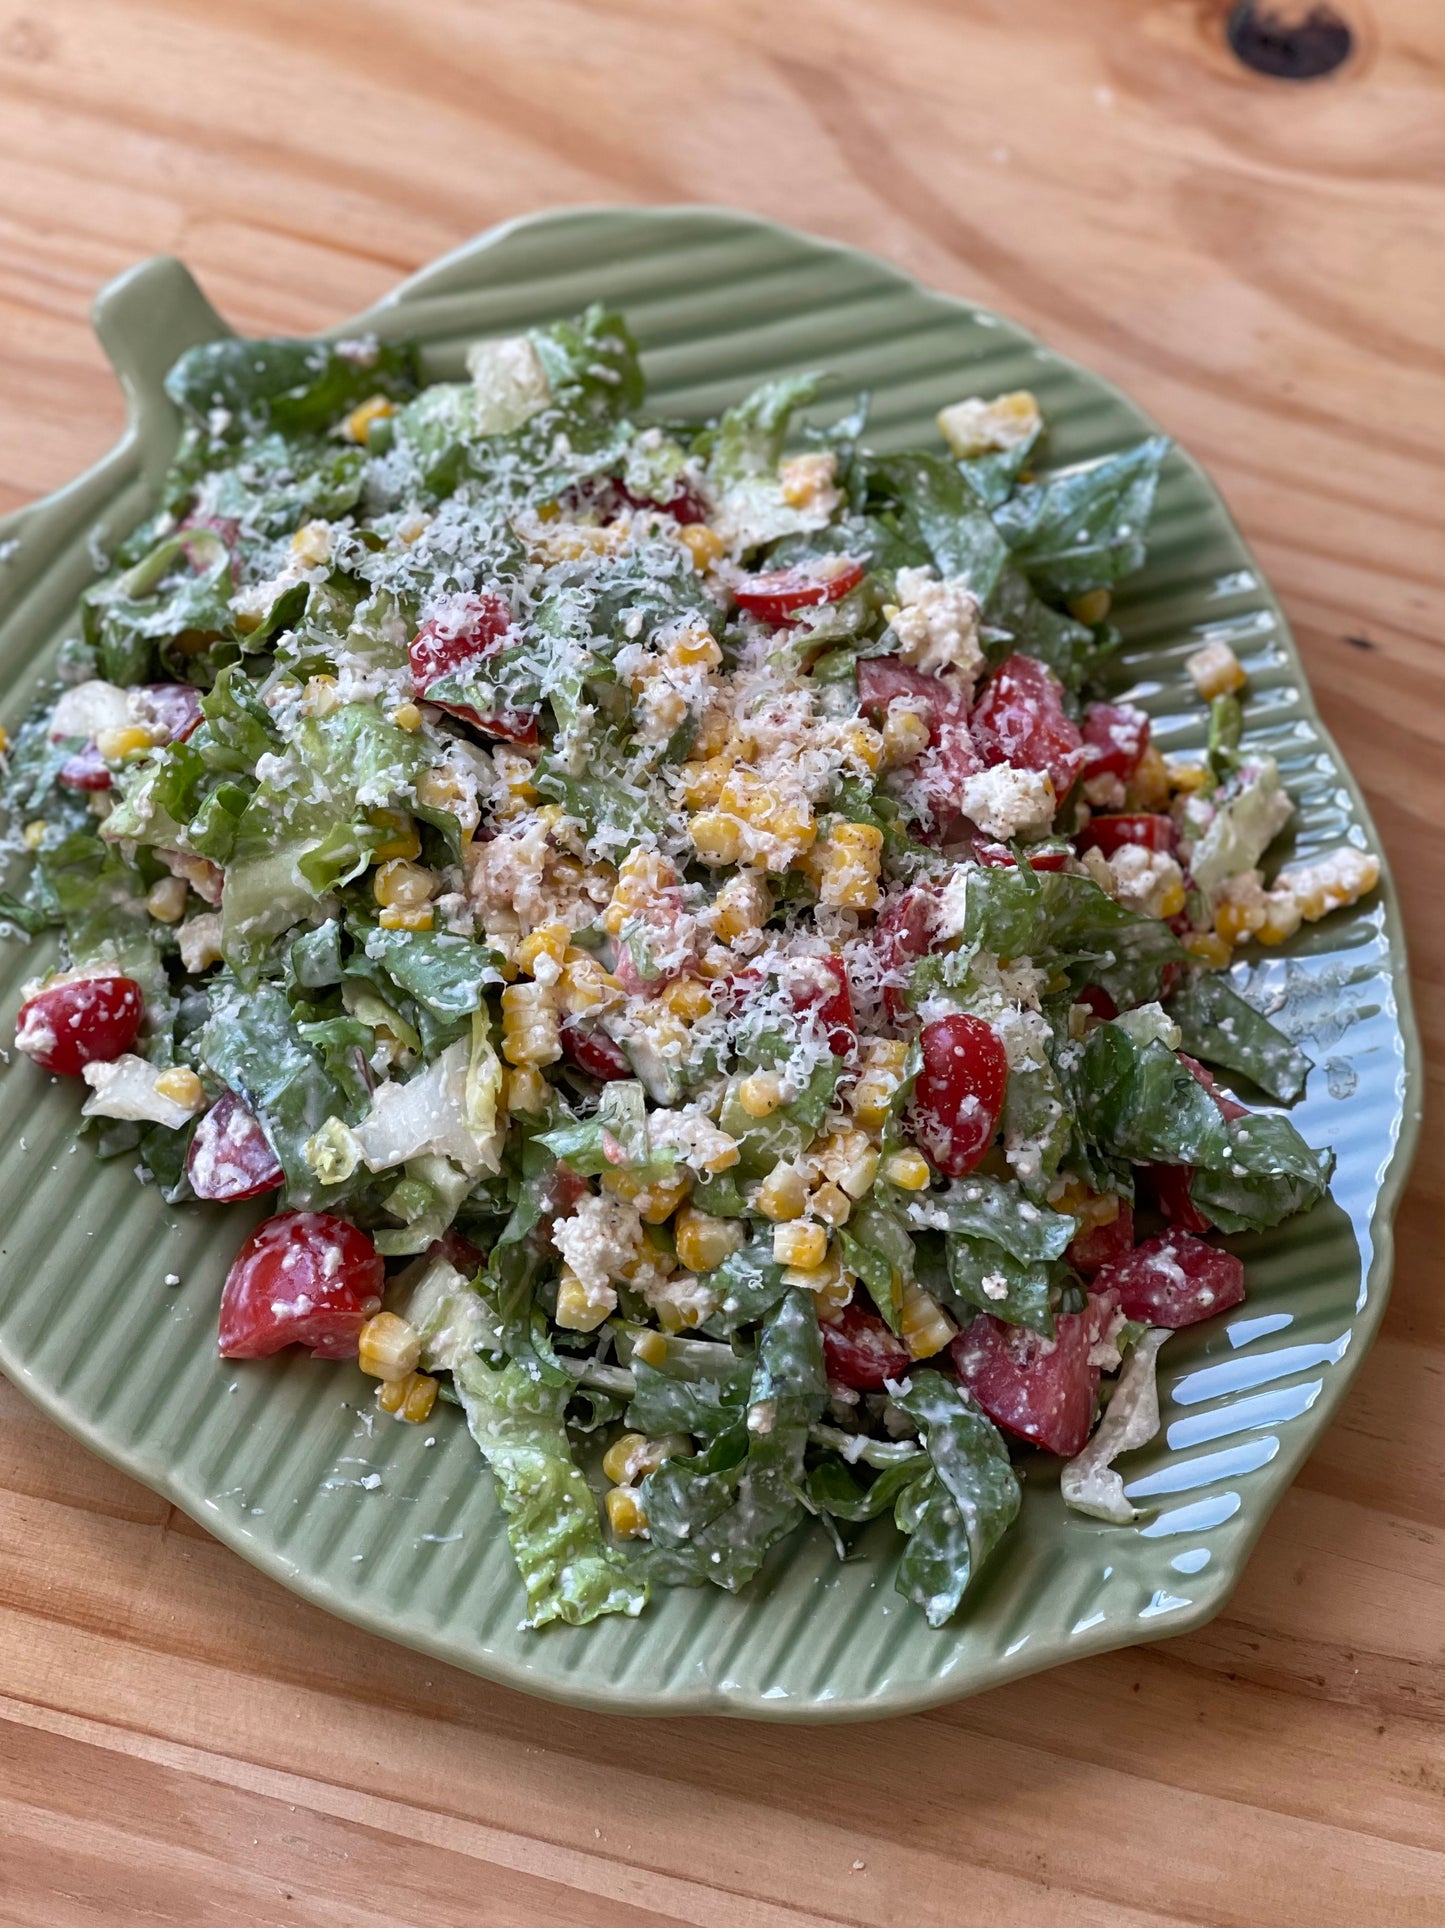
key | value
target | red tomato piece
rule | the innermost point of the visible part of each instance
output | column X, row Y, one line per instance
column 86, row 770
column 902, row 933
column 301, row 1279
column 457, row 644
column 997, row 856
column 79, row 1021
column 1040, row 1390
column 1019, row 719
column 1100, row 1245
column 938, row 699
column 1176, row 1280
column 1108, row 833
column 1228, row 1106
column 777, row 595
column 593, row 1052
column 1098, row 1001
column 819, row 987
column 684, row 502
column 231, row 1156
column 960, row 1092
column 1116, row 735
column 171, row 709
column 860, row 1352
column 1171, row 1193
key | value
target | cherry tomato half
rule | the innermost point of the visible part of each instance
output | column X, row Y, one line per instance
column 457, row 645
column 1171, row 1193
column 79, row 1021
column 902, row 933
column 86, row 770
column 172, row 710
column 885, row 679
column 1019, row 719
column 1176, row 1280
column 960, row 1092
column 860, row 1352
column 1042, row 1390
column 230, row 1156
column 1091, row 1250
column 1108, row 833
column 301, row 1279
column 593, row 1052
column 777, row 595
column 1116, row 735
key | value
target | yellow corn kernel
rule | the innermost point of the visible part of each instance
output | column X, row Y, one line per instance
column 389, row 1347
column 688, row 998
column 321, row 696
column 882, row 1073
column 311, row 544
column 541, row 951
column 862, row 745
column 1091, row 606
column 1208, row 946
column 441, row 788
column 584, row 985
column 1171, row 898
column 1181, row 774
column 696, row 646
column 702, row 782
column 641, row 878
column 514, row 780
column 844, row 865
column 832, row 1287
column 403, row 885
column 166, row 900
column 402, row 837
column 625, row 1513
column 978, row 427
column 357, row 424
column 617, row 1461
column 181, row 1085
column 831, row 1204
column 783, row 820
column 717, row 838
column 908, row 1170
column 704, row 545
column 530, row 1032
column 703, row 1242
column 713, row 730
column 848, row 1159
column 1149, row 786
column 650, row 1347
column 410, row 1399
column 783, row 1194
column 924, row 1327
column 33, row 834
column 406, row 917
column 633, row 1456
column 806, row 481
column 1215, row 670
column 407, row 716
column 657, row 1200
column 524, row 1089
column 129, row 739
column 761, row 1093
column 742, row 906
column 1342, row 878
column 581, row 1308
column 905, row 736
column 1233, row 923
column 801, row 1242
column 4, row 739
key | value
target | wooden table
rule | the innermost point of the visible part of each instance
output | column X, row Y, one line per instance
column 1259, row 262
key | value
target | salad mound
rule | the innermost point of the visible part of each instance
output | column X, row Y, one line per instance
column 662, row 914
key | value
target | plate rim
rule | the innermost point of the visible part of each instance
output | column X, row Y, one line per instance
column 130, row 291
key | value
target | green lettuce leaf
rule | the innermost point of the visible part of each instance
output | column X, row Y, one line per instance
column 876, row 1244
column 749, row 1283
column 947, row 517
column 1219, row 1026
column 956, row 1519
column 681, row 1397
column 296, row 386
column 996, row 1209
column 183, row 585
column 1265, row 1174
column 986, row 1278
column 1135, row 1099
column 1085, row 527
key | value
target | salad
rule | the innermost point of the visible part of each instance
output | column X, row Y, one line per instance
column 660, row 911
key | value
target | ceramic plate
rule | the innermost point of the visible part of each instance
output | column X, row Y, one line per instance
column 396, row 1527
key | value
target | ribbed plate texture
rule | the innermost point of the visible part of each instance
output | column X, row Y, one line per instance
column 396, row 1527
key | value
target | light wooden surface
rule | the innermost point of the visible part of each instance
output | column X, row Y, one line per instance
column 1260, row 264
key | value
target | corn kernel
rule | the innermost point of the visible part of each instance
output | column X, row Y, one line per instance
column 704, row 545
column 807, row 481
column 650, row 1347
column 406, row 917
column 1342, row 878
column 1233, row 923
column 1208, row 946
column 441, row 788
column 625, row 1513
column 389, row 1347
column 358, row 423
column 34, row 833
column 4, row 739
column 714, row 727
column 704, row 1242
column 407, row 716
column 716, row 837
column 844, row 865
column 419, row 1395
column 321, row 696
column 783, row 1194
column 924, row 1327
column 311, row 544
column 1215, row 670
column 697, row 646
column 181, row 1085
column 166, row 900
column 688, row 998
column 879, row 1079
column 848, row 1159
column 514, row 780
column 1090, row 606
column 633, row 1456
column 908, row 1170
column 403, row 885
column 541, row 951
column 584, row 985
column 832, row 1287
column 402, row 838
column 861, row 744
column 581, row 1308
column 905, row 736
column 702, row 782
column 800, row 1242
column 1171, row 898
column 742, row 906
column 761, row 1093
column 1149, row 786
column 127, row 740
column 831, row 1204
column 1181, row 774
column 657, row 1199
column 641, row 878
column 524, row 1089
column 978, row 427
column 530, row 1032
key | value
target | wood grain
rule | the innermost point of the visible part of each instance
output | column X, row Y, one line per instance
column 1259, row 263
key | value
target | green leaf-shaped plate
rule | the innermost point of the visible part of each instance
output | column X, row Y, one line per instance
column 395, row 1527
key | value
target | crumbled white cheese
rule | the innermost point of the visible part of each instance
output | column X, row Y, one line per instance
column 1144, row 880
column 600, row 1240
column 88, row 708
column 975, row 426
column 1004, row 802
column 937, row 623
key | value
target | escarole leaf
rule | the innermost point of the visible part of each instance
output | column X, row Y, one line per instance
column 988, row 1279
column 714, row 1517
column 183, row 585
column 234, row 388
column 955, row 1519
column 1219, row 1026
column 1135, row 1099
column 748, row 1284
column 946, row 516
column 1265, row 1174
column 749, row 437
column 702, row 1396
column 1088, row 1482
column 996, row 1209
column 1084, row 527
column 875, row 1243
column 567, row 1568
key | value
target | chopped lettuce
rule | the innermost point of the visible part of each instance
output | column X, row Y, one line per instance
column 1084, row 527
column 955, row 1519
column 1219, row 1026
column 1265, row 1174
column 1088, row 1482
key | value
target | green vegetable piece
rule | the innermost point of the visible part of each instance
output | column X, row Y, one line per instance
column 1266, row 1174
column 298, row 386
column 988, row 1279
column 1138, row 1101
column 954, row 527
column 1085, row 527
column 961, row 1515
column 998, row 1210
column 1219, row 1026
